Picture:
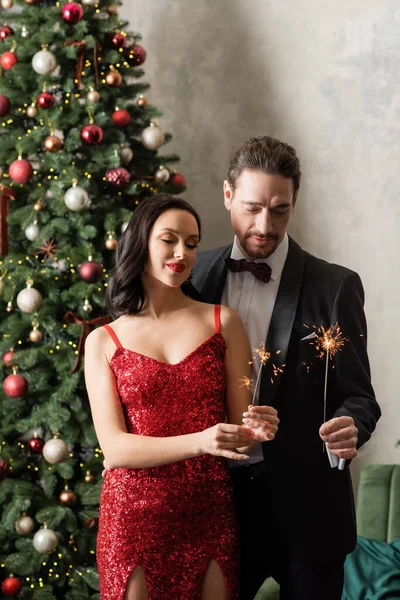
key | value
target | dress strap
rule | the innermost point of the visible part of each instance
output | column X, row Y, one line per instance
column 113, row 335
column 217, row 318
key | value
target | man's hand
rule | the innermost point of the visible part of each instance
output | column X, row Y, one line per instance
column 263, row 420
column 340, row 435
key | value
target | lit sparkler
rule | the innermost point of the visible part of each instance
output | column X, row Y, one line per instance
column 263, row 356
column 328, row 342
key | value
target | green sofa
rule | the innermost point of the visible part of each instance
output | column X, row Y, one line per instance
column 378, row 512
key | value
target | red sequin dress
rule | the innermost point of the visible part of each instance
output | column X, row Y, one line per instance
column 172, row 520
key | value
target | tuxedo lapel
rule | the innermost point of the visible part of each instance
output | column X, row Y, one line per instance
column 210, row 281
column 282, row 320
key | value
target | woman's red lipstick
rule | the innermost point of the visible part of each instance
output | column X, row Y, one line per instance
column 176, row 267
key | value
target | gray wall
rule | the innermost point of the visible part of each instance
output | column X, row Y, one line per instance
column 323, row 76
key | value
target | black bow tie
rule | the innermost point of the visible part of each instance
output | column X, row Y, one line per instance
column 261, row 271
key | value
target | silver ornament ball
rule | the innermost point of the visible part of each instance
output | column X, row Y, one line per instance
column 24, row 525
column 44, row 62
column 55, row 451
column 32, row 231
column 45, row 541
column 29, row 300
column 76, row 198
column 152, row 137
column 25, row 33
column 126, row 154
column 89, row 2
column 162, row 175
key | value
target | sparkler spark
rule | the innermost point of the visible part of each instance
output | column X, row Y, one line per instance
column 262, row 354
column 329, row 341
column 246, row 382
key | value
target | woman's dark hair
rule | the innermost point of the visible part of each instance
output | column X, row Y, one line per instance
column 125, row 292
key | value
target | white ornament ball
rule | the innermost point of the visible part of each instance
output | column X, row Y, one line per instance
column 55, row 451
column 124, row 226
column 25, row 33
column 24, row 525
column 32, row 231
column 93, row 96
column 31, row 111
column 44, row 62
column 29, row 300
column 76, row 198
column 45, row 541
column 152, row 137
column 89, row 2
column 126, row 155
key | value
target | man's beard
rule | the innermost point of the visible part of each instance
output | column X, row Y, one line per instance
column 257, row 253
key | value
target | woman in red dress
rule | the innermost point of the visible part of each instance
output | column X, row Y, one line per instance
column 160, row 381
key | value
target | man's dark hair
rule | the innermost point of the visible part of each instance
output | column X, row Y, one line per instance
column 266, row 154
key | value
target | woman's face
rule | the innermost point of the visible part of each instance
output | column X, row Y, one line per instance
column 172, row 247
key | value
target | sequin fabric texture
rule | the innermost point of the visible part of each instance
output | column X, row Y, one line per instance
column 172, row 520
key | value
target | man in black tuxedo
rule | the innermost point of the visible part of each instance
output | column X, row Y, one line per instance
column 296, row 513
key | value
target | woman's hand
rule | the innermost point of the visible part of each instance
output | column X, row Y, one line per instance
column 223, row 439
column 263, row 421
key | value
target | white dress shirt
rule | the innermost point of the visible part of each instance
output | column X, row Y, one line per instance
column 254, row 301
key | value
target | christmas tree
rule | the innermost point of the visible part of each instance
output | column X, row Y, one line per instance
column 78, row 151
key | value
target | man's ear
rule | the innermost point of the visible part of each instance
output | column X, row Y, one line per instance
column 294, row 200
column 228, row 195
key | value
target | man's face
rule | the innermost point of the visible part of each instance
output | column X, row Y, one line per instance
column 260, row 208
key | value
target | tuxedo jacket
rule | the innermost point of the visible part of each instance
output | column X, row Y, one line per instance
column 313, row 503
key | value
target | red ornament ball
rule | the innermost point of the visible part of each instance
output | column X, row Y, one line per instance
column 136, row 55
column 90, row 271
column 178, row 182
column 3, row 469
column 45, row 100
column 8, row 358
column 121, row 117
column 92, row 134
column 5, row 105
column 119, row 177
column 21, row 171
column 5, row 32
column 15, row 386
column 11, row 586
column 36, row 445
column 72, row 12
column 119, row 40
column 8, row 60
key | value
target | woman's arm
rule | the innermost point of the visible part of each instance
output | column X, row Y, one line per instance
column 126, row 450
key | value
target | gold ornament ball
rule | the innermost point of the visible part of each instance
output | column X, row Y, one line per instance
column 142, row 102
column 68, row 497
column 112, row 9
column 25, row 525
column 31, row 111
column 114, row 78
column 38, row 206
column 93, row 96
column 111, row 244
column 52, row 143
column 89, row 477
column 162, row 175
column 6, row 4
column 35, row 336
